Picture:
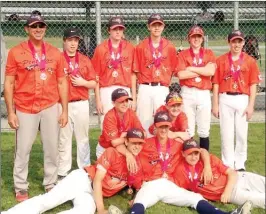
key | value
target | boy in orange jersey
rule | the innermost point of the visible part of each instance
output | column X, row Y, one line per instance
column 173, row 106
column 195, row 67
column 116, row 122
column 34, row 84
column 81, row 77
column 158, row 159
column 234, row 93
column 108, row 176
column 154, row 64
column 227, row 186
column 113, row 61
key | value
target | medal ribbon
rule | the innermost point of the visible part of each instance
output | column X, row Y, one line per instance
column 74, row 69
column 201, row 55
column 40, row 61
column 235, row 73
column 115, row 57
column 156, row 59
column 164, row 158
column 120, row 123
column 193, row 179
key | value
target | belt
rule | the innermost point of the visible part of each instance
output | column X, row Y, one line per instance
column 72, row 101
column 154, row 84
column 233, row 93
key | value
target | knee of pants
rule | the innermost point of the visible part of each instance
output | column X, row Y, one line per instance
column 196, row 198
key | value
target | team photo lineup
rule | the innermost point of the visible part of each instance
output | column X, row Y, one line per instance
column 154, row 142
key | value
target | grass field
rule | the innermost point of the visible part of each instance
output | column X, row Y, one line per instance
column 255, row 163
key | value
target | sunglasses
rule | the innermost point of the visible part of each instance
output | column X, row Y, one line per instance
column 40, row 25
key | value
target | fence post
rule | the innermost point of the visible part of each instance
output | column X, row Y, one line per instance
column 236, row 15
column 98, row 22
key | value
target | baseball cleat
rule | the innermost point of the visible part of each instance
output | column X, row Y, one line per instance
column 114, row 210
column 244, row 208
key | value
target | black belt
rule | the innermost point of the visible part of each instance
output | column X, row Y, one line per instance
column 72, row 101
column 154, row 84
column 233, row 93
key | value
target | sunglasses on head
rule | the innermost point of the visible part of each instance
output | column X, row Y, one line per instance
column 39, row 25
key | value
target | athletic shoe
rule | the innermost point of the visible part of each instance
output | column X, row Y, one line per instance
column 244, row 209
column 22, row 195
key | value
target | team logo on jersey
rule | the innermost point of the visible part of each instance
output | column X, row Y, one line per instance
column 112, row 133
column 50, row 70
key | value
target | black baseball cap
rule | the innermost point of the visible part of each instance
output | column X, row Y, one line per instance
column 190, row 146
column 35, row 18
column 173, row 98
column 119, row 95
column 235, row 34
column 135, row 135
column 72, row 32
column 116, row 21
column 162, row 118
column 155, row 18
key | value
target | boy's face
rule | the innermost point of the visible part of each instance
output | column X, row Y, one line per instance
column 156, row 29
column 71, row 44
column 121, row 106
column 174, row 110
column 195, row 41
column 236, row 45
column 134, row 147
column 116, row 33
column 162, row 131
column 192, row 158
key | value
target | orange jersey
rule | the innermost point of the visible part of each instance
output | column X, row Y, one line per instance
column 144, row 67
column 184, row 60
column 249, row 74
column 211, row 191
column 115, row 166
column 180, row 124
column 108, row 75
column 31, row 93
column 151, row 162
column 86, row 71
column 113, row 126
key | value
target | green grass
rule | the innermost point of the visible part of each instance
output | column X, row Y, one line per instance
column 255, row 163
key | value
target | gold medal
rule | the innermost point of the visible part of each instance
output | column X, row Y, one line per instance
column 115, row 74
column 43, row 76
column 197, row 79
column 235, row 86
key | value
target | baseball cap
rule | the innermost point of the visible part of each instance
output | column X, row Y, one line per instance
column 116, row 22
column 119, row 95
column 190, row 146
column 35, row 18
column 196, row 30
column 162, row 118
column 155, row 18
column 72, row 32
column 135, row 135
column 173, row 98
column 235, row 34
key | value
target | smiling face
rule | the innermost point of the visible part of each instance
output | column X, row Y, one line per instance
column 156, row 29
column 236, row 46
column 134, row 147
column 174, row 110
column 192, row 158
column 121, row 106
column 195, row 41
column 71, row 45
column 36, row 31
column 116, row 33
column 162, row 131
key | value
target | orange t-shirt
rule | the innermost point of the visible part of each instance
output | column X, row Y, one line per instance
column 143, row 63
column 31, row 94
column 113, row 127
column 249, row 75
column 116, row 171
column 151, row 162
column 211, row 191
column 180, row 124
column 86, row 71
column 184, row 60
column 108, row 75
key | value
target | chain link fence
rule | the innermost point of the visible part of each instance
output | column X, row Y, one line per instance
column 216, row 18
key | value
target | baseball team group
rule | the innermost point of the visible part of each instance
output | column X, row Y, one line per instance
column 147, row 143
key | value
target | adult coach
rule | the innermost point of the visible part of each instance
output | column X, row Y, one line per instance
column 113, row 61
column 108, row 176
column 33, row 85
column 154, row 63
column 81, row 77
column 195, row 68
column 234, row 94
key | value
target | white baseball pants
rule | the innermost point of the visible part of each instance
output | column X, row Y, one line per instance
column 249, row 186
column 197, row 106
column 232, row 121
column 25, row 137
column 166, row 191
column 150, row 98
column 76, row 187
column 78, row 122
